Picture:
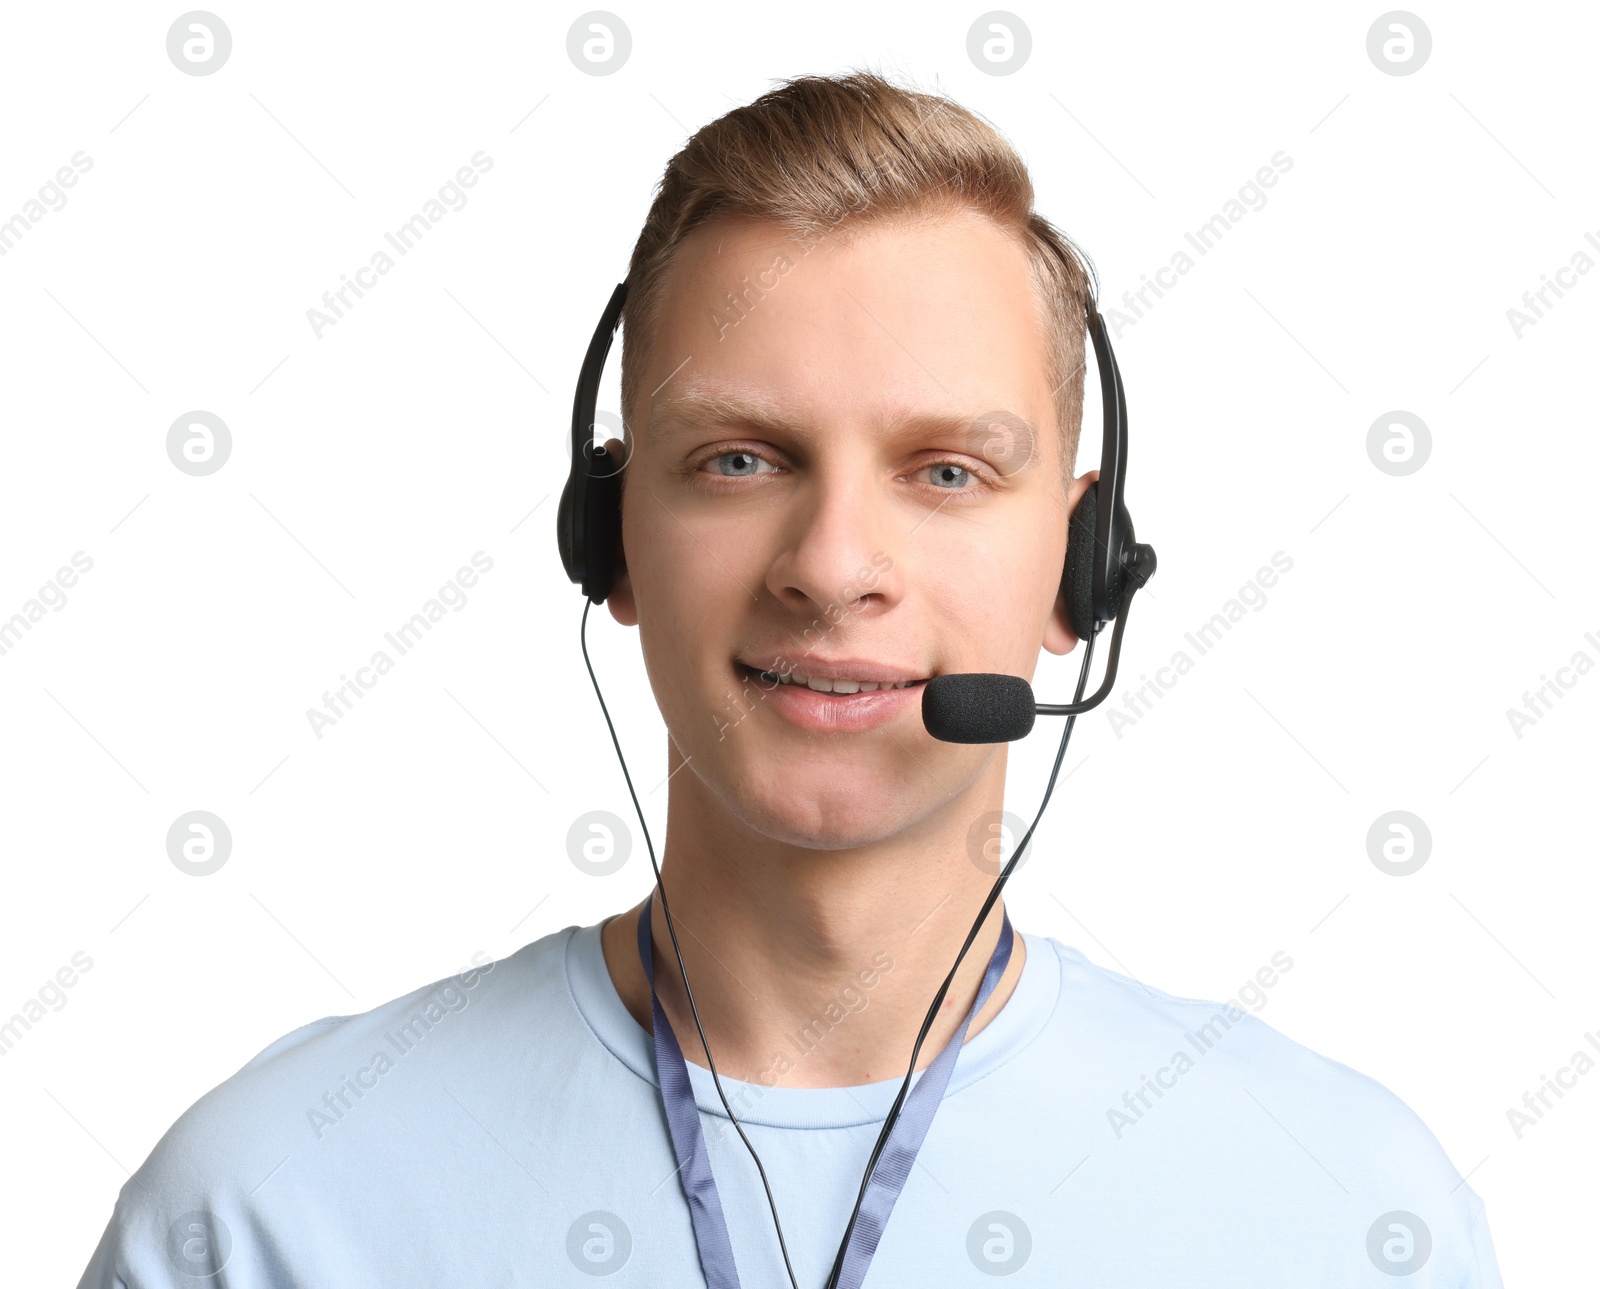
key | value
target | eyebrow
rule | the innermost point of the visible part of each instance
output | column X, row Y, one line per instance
column 700, row 409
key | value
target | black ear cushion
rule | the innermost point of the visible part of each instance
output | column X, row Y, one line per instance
column 589, row 557
column 603, row 525
column 569, row 557
column 1077, row 580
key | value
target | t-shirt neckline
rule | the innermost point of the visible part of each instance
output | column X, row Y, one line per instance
column 1018, row 1023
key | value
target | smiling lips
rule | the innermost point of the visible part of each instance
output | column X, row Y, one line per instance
column 840, row 696
column 824, row 685
column 836, row 676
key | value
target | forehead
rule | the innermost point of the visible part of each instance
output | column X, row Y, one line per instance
column 889, row 322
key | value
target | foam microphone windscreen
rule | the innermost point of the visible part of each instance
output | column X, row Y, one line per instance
column 978, row 707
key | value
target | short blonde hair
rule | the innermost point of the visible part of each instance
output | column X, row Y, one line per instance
column 821, row 150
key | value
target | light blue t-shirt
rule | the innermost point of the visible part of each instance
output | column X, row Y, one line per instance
column 503, row 1127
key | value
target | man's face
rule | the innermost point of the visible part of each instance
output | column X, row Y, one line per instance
column 851, row 471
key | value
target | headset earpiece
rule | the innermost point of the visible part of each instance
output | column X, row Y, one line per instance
column 589, row 517
column 1103, row 559
column 591, row 512
column 1077, row 580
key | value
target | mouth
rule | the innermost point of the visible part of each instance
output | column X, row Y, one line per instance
column 843, row 686
column 857, row 696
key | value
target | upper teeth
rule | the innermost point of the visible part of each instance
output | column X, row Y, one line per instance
column 836, row 686
column 826, row 686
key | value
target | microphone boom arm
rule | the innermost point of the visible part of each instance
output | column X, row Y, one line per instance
column 1143, row 567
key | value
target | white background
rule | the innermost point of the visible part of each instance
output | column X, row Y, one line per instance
column 427, row 424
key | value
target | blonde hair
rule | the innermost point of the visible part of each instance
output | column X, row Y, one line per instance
column 819, row 151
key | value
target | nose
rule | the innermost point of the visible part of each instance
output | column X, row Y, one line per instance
column 840, row 549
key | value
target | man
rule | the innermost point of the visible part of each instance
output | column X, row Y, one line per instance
column 853, row 368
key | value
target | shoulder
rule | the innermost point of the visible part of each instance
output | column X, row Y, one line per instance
column 315, row 1101
column 1225, row 1050
column 1207, row 1098
column 445, row 1022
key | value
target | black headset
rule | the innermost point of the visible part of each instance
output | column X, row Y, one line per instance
column 1102, row 555
column 1104, row 566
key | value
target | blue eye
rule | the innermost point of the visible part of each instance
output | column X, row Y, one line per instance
column 947, row 474
column 737, row 463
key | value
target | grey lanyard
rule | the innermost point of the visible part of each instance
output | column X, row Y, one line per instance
column 888, row 1178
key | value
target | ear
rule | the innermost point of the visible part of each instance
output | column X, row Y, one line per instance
column 620, row 600
column 1059, row 637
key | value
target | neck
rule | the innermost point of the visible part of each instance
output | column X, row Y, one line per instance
column 815, row 968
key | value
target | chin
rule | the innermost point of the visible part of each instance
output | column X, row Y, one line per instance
column 829, row 808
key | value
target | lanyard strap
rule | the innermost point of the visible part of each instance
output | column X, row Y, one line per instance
column 888, row 1178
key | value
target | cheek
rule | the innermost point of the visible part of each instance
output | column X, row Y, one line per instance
column 686, row 604
column 1019, row 581
column 995, row 577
